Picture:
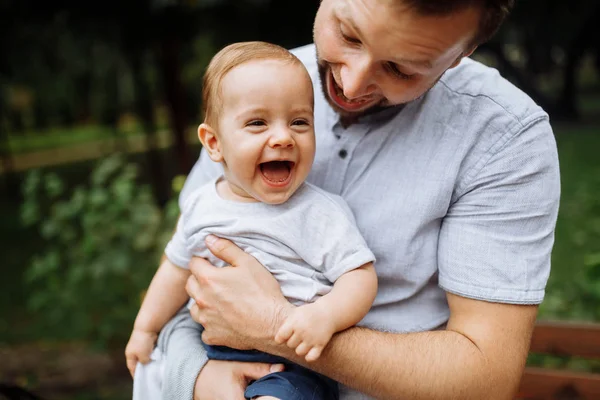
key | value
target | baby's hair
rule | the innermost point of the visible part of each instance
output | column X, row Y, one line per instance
column 228, row 58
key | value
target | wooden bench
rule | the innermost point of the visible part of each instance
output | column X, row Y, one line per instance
column 562, row 339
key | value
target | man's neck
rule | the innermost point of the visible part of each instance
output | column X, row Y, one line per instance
column 347, row 120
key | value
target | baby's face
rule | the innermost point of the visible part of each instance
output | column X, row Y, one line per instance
column 266, row 129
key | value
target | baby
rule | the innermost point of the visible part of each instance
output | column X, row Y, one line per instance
column 258, row 108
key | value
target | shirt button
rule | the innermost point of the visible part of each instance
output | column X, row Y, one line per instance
column 343, row 153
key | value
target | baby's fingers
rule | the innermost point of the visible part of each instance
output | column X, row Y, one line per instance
column 302, row 349
column 131, row 364
column 294, row 341
column 144, row 358
column 284, row 333
column 314, row 354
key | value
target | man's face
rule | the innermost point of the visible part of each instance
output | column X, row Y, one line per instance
column 373, row 53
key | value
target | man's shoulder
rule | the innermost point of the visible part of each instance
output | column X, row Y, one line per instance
column 307, row 54
column 482, row 89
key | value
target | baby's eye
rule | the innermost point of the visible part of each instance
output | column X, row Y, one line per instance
column 300, row 122
column 256, row 123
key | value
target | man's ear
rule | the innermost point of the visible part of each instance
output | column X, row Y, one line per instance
column 210, row 141
column 462, row 55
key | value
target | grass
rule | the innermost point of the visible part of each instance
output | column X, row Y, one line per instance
column 56, row 137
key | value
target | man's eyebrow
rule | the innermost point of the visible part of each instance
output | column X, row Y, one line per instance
column 354, row 27
column 345, row 15
column 415, row 63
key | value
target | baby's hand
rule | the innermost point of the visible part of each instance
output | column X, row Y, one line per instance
column 139, row 348
column 308, row 329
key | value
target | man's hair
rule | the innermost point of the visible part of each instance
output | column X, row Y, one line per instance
column 493, row 13
column 227, row 59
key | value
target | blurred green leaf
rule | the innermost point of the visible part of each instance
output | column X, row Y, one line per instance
column 104, row 241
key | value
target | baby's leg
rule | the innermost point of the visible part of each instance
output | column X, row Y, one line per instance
column 295, row 383
column 181, row 344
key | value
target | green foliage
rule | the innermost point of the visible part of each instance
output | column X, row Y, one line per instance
column 104, row 239
column 573, row 290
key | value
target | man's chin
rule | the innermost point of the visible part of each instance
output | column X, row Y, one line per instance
column 346, row 114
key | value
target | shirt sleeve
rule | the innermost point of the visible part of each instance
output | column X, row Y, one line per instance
column 336, row 244
column 496, row 239
column 177, row 251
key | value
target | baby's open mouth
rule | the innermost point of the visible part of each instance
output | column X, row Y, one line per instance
column 276, row 171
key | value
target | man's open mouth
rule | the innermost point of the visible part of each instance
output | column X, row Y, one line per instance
column 277, row 173
column 337, row 95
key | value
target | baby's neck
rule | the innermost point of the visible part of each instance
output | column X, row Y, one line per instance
column 227, row 192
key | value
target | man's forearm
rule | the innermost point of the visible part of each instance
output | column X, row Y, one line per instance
column 424, row 365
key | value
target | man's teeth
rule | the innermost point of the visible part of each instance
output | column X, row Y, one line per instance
column 340, row 94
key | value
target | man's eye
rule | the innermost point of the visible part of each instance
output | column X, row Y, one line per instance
column 347, row 38
column 256, row 123
column 393, row 68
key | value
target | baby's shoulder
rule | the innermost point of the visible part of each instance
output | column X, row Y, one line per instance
column 321, row 201
column 196, row 198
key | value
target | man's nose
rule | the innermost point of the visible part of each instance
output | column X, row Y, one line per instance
column 357, row 78
column 281, row 138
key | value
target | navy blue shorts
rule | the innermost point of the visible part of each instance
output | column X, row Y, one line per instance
column 294, row 383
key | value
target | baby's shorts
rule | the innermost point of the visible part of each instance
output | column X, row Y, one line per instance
column 294, row 383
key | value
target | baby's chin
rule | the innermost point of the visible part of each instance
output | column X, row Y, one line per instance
column 274, row 198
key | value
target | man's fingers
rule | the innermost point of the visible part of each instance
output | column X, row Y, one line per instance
column 225, row 250
column 198, row 264
column 254, row 371
column 192, row 287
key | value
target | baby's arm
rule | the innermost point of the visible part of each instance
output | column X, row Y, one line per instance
column 165, row 296
column 310, row 327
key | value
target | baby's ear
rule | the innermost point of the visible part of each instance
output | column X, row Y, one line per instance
column 210, row 141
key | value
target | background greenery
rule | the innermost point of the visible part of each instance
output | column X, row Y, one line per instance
column 97, row 115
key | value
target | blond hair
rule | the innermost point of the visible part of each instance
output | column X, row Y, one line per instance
column 227, row 59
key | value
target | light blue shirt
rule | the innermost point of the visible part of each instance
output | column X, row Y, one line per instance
column 456, row 192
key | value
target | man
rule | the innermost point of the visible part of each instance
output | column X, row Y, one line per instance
column 452, row 174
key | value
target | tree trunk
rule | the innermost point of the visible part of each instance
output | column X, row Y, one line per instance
column 567, row 103
column 520, row 79
column 175, row 98
column 8, row 180
column 145, row 111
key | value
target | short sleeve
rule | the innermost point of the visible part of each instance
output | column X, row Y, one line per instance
column 496, row 239
column 336, row 245
column 177, row 251
column 203, row 171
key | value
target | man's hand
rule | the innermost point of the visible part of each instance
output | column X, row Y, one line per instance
column 229, row 379
column 239, row 306
column 140, row 346
column 307, row 329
